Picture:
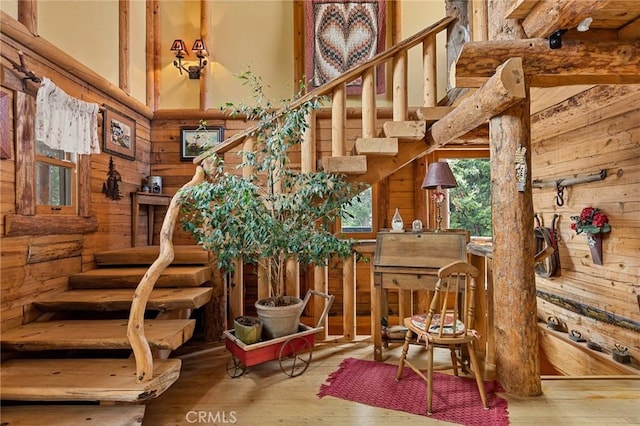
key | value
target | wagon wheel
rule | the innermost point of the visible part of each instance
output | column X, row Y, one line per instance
column 235, row 368
column 295, row 356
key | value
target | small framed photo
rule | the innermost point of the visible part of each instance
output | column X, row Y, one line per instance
column 195, row 140
column 119, row 134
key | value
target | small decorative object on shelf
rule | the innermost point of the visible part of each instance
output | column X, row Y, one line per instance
column 397, row 223
column 416, row 226
column 594, row 223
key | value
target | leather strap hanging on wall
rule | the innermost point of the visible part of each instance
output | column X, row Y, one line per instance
column 546, row 237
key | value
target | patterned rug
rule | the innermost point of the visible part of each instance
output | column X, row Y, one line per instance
column 455, row 399
column 341, row 34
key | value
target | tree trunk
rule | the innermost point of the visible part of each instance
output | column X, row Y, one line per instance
column 517, row 363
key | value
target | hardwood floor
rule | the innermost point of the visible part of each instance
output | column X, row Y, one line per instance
column 264, row 395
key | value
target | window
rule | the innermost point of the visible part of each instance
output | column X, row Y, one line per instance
column 359, row 217
column 470, row 201
column 55, row 181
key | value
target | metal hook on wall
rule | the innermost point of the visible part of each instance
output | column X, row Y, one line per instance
column 559, row 193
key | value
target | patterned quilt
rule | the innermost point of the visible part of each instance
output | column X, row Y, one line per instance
column 341, row 34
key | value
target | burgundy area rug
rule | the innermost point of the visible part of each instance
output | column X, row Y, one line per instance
column 455, row 399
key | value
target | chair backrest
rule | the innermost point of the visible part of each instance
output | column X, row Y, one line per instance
column 453, row 299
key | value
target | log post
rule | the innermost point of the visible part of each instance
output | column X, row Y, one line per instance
column 517, row 362
column 124, row 34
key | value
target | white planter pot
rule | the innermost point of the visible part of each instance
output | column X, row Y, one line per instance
column 278, row 321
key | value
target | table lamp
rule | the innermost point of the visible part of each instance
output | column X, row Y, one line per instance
column 438, row 177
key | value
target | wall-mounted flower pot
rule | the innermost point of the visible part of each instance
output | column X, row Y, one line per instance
column 595, row 245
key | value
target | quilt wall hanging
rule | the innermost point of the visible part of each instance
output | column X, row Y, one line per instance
column 341, row 34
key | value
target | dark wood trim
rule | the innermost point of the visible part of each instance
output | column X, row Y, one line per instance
column 18, row 225
column 590, row 311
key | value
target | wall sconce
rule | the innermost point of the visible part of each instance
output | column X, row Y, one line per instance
column 439, row 176
column 180, row 50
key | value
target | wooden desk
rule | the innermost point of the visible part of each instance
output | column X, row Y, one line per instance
column 409, row 261
column 150, row 200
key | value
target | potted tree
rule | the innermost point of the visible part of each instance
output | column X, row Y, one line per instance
column 274, row 214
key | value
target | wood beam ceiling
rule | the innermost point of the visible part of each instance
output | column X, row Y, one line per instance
column 576, row 62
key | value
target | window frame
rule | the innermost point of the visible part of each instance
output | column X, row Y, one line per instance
column 374, row 220
column 446, row 154
column 58, row 209
column 25, row 221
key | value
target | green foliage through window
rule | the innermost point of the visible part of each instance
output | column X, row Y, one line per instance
column 358, row 216
column 470, row 201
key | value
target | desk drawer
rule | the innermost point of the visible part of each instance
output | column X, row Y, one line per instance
column 424, row 281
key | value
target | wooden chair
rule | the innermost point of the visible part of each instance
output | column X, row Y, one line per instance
column 453, row 306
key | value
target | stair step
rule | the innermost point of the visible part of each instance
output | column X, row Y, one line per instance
column 348, row 165
column 173, row 276
column 72, row 415
column 183, row 255
column 119, row 299
column 405, row 130
column 94, row 334
column 377, row 146
column 83, row 380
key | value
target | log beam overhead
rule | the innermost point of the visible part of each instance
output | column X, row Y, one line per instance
column 548, row 16
column 503, row 90
column 576, row 62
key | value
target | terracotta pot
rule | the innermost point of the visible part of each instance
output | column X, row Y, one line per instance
column 595, row 245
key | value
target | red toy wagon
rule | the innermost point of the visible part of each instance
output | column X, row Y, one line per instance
column 292, row 351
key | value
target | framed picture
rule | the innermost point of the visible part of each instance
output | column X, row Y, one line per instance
column 119, row 134
column 194, row 141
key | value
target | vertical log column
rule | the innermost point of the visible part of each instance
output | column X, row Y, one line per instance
column 517, row 359
column 308, row 161
column 517, row 362
column 124, row 50
column 205, row 81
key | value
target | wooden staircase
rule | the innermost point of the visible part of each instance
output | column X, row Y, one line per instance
column 68, row 355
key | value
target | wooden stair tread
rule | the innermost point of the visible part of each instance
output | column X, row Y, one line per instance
column 83, row 380
column 348, row 165
column 146, row 255
column 119, row 299
column 111, row 277
column 376, row 146
column 94, row 334
column 72, row 415
column 405, row 130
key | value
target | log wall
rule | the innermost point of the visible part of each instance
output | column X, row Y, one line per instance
column 597, row 129
column 36, row 265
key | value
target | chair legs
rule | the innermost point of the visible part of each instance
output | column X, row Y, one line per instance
column 403, row 357
column 429, row 379
column 478, row 376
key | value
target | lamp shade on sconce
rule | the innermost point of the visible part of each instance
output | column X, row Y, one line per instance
column 439, row 175
column 199, row 48
column 178, row 47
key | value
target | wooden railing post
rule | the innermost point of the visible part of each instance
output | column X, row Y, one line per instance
column 338, row 120
column 349, row 298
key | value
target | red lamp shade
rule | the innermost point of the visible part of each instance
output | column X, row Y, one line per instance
column 199, row 47
column 178, row 47
column 439, row 175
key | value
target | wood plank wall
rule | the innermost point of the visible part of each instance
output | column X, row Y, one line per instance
column 24, row 278
column 597, row 129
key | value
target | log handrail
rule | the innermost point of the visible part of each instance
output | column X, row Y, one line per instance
column 135, row 326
